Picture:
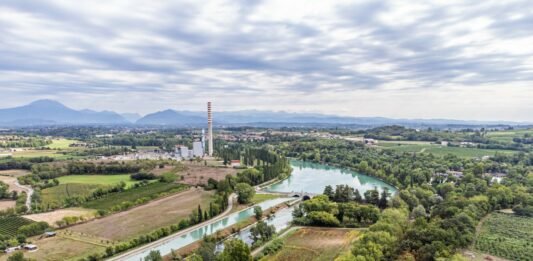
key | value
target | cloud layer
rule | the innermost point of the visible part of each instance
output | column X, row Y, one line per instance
column 411, row 59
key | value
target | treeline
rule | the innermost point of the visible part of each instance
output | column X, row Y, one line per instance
column 51, row 171
column 25, row 142
column 24, row 163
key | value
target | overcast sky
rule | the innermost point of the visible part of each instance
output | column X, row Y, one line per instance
column 403, row 59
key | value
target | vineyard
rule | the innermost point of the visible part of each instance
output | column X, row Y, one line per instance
column 506, row 236
column 134, row 195
column 10, row 225
column 314, row 244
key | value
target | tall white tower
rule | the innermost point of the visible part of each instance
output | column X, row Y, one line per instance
column 210, row 129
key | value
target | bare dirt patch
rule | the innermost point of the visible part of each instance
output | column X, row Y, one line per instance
column 199, row 174
column 146, row 218
column 160, row 171
column 6, row 204
column 14, row 172
column 52, row 217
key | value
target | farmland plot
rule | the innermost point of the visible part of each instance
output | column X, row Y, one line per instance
column 507, row 236
column 310, row 244
column 10, row 225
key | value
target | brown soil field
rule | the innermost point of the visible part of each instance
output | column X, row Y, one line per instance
column 199, row 174
column 14, row 172
column 146, row 218
column 308, row 244
column 5, row 204
column 159, row 171
column 52, row 217
column 59, row 248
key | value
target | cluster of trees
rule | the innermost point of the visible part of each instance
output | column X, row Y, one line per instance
column 270, row 163
column 22, row 163
column 143, row 176
column 51, row 171
column 234, row 250
column 321, row 211
column 345, row 193
column 33, row 229
column 25, row 142
column 5, row 193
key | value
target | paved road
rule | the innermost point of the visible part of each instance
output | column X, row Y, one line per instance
column 29, row 193
column 162, row 241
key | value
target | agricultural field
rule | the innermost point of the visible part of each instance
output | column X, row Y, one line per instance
column 56, row 215
column 146, row 218
column 97, row 179
column 506, row 235
column 61, row 144
column 61, row 247
column 313, row 244
column 195, row 173
column 131, row 195
column 439, row 150
column 10, row 225
column 55, row 196
column 41, row 153
column 508, row 135
column 6, row 204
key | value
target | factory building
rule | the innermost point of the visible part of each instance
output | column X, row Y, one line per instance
column 197, row 149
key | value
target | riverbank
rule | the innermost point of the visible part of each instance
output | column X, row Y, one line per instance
column 229, row 232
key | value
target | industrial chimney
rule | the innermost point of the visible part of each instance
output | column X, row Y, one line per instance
column 209, row 129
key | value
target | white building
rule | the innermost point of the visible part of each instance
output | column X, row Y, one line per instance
column 183, row 152
column 197, row 149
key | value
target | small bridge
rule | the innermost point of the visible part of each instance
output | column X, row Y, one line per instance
column 294, row 194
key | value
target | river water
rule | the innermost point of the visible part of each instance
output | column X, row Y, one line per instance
column 306, row 177
column 313, row 178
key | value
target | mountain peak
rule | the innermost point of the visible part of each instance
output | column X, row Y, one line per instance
column 46, row 103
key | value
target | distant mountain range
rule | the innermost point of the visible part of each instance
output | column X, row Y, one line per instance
column 48, row 112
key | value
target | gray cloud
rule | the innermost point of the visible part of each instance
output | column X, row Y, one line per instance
column 250, row 52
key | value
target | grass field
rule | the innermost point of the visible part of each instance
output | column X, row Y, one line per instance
column 507, row 236
column 61, row 144
column 148, row 217
column 313, row 244
column 439, row 150
column 41, row 153
column 131, row 195
column 97, row 179
column 60, row 248
column 10, row 225
column 55, row 196
column 258, row 198
column 508, row 135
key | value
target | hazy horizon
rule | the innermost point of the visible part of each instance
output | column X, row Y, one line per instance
column 267, row 111
column 464, row 60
